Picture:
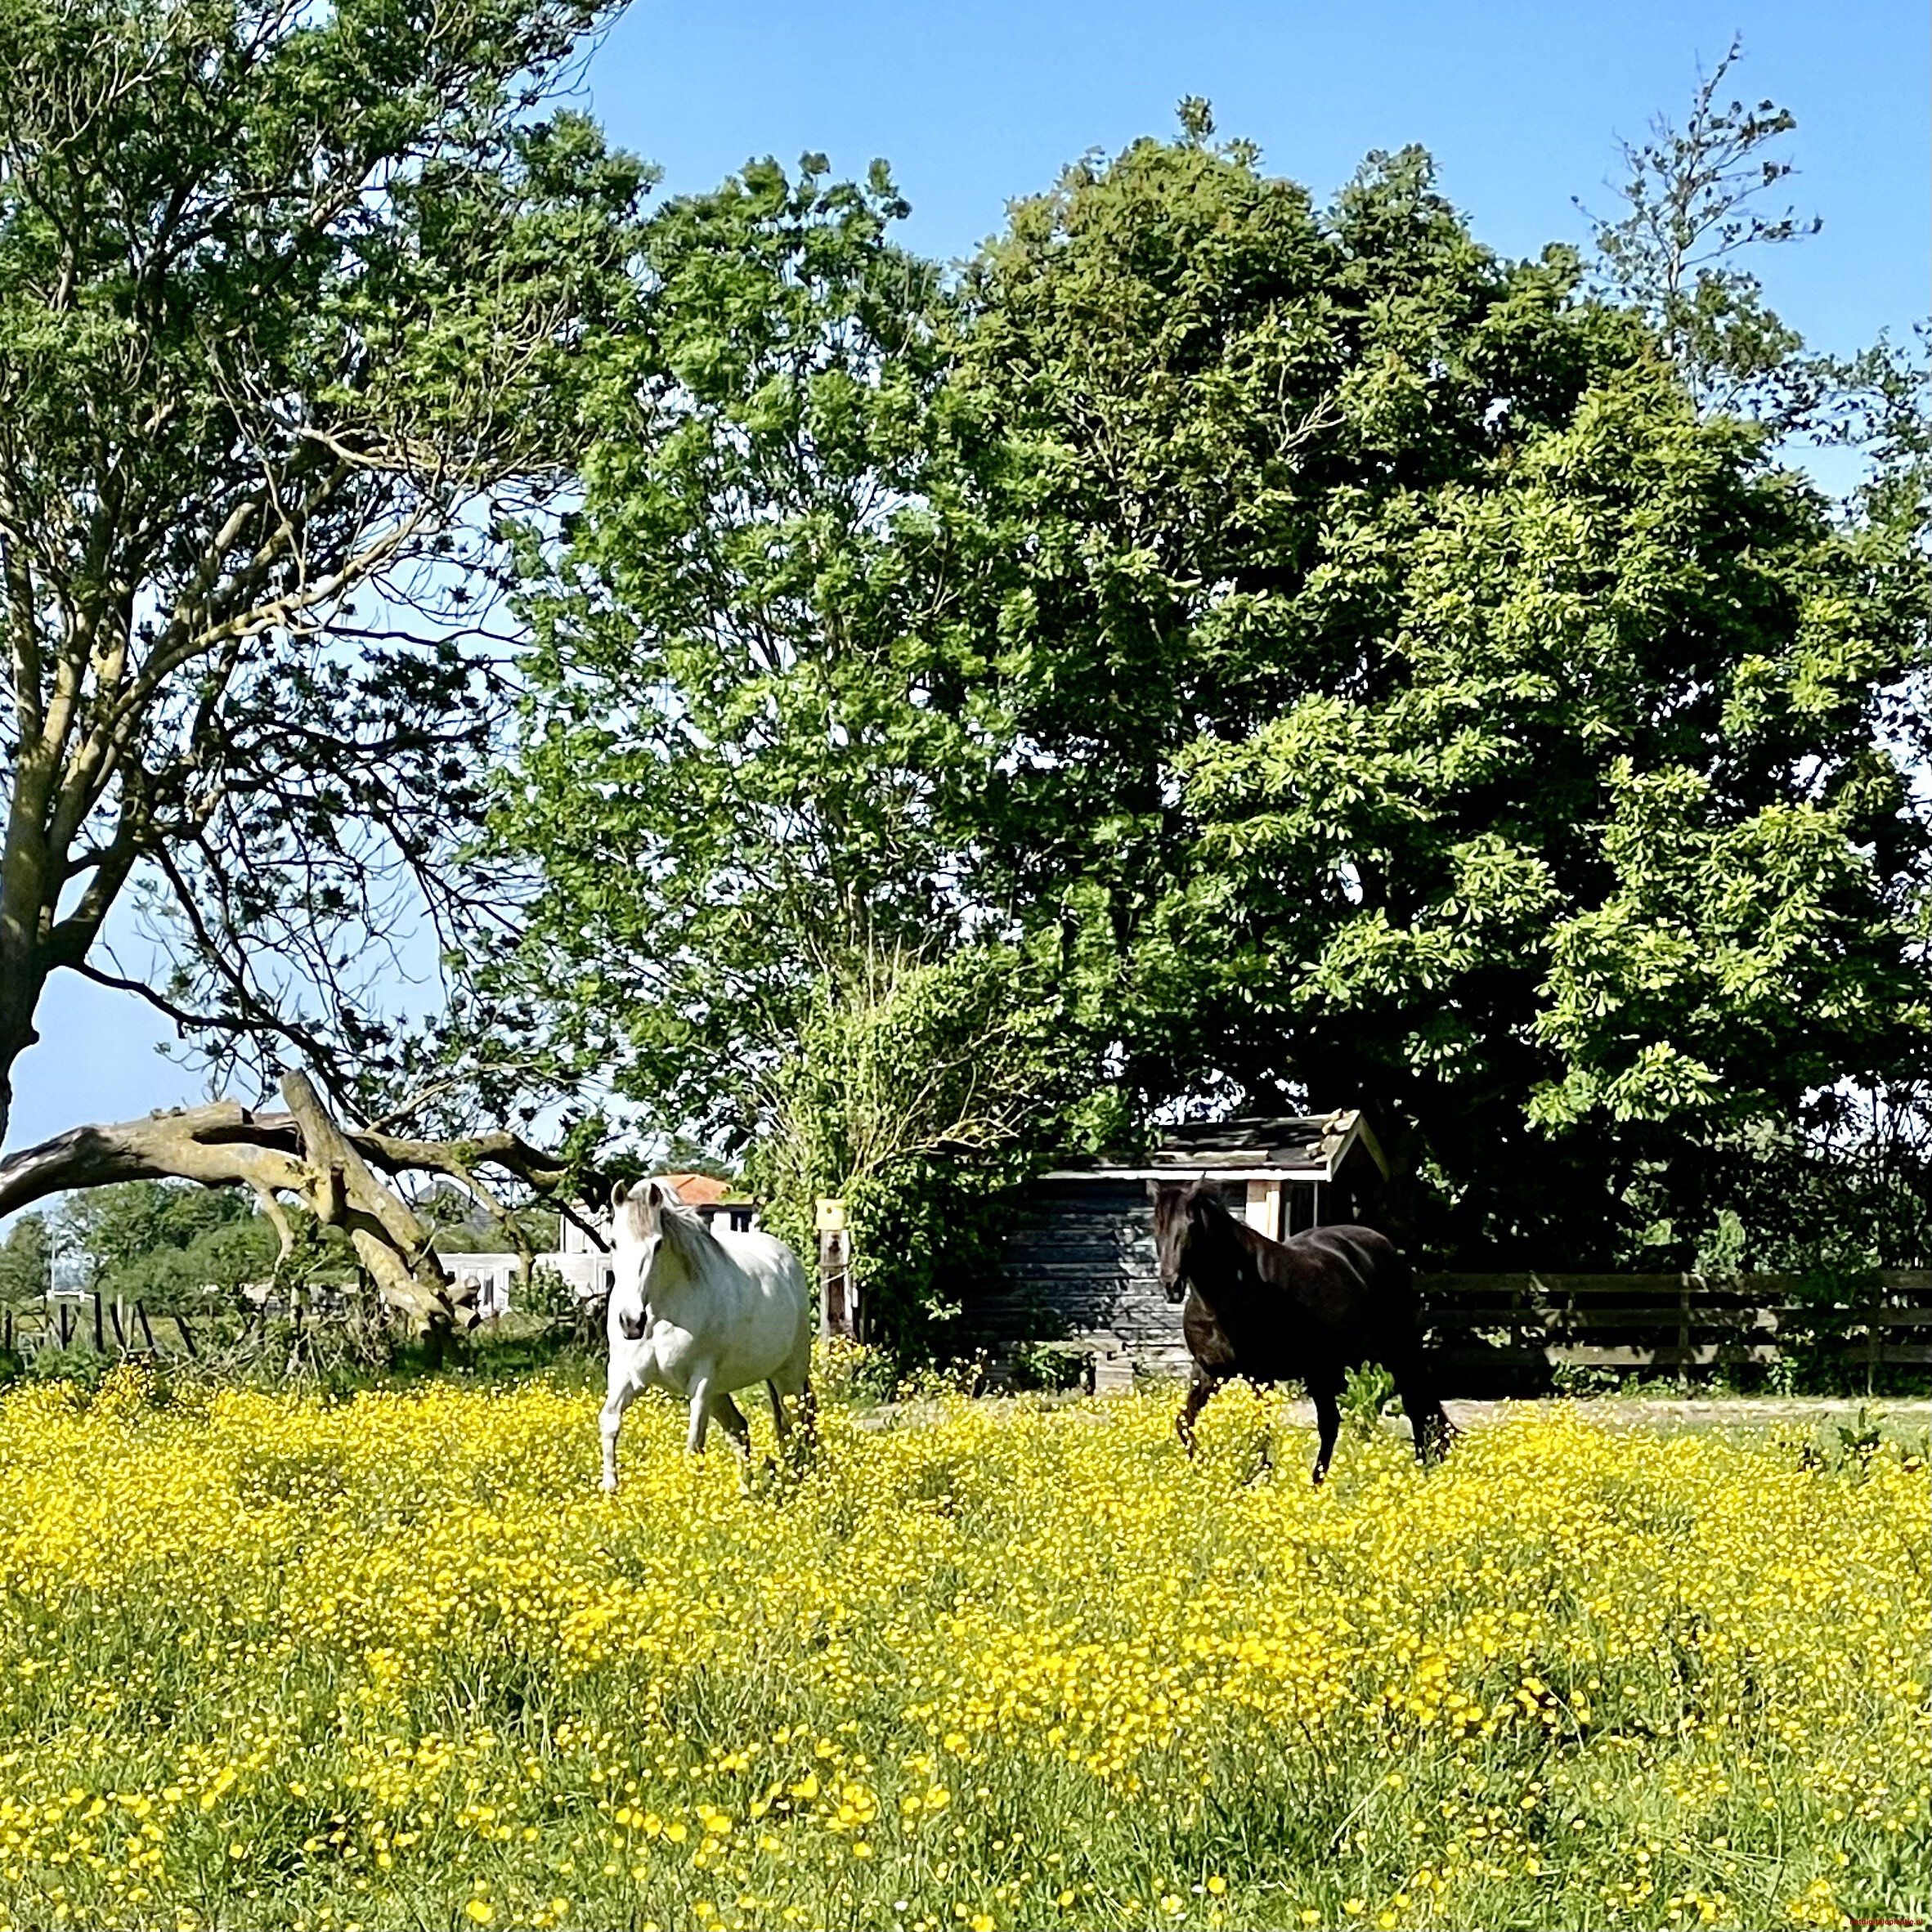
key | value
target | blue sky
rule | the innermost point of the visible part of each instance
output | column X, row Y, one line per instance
column 1522, row 105
column 973, row 104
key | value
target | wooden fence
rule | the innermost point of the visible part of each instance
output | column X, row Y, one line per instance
column 1517, row 1325
column 92, row 1321
column 1502, row 1332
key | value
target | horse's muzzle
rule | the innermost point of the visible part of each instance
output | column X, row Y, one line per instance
column 631, row 1327
column 1175, row 1291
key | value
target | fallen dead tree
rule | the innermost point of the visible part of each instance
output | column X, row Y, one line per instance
column 306, row 1155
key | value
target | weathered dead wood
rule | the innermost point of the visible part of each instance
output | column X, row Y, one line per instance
column 389, row 1240
column 305, row 1153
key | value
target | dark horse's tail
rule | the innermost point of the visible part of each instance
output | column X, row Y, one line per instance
column 1415, row 1382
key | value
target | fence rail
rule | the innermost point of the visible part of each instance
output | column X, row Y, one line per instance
column 84, row 1321
column 1677, row 1322
column 1504, row 1328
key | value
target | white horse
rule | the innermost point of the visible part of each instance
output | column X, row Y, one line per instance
column 701, row 1313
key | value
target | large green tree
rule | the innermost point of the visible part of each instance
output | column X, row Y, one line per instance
column 166, row 1243
column 747, row 718
column 1345, row 665
column 1417, row 703
column 288, row 298
column 26, row 1256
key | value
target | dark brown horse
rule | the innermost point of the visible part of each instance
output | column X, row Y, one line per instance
column 1306, row 1309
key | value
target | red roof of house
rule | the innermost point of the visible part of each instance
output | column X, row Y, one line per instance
column 697, row 1191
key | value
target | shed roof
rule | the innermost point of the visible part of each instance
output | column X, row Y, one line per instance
column 1260, row 1147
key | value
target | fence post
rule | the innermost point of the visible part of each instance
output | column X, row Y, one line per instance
column 120, row 1334
column 835, row 1283
column 837, row 1313
column 181, row 1321
column 66, row 1325
column 99, row 1344
column 146, row 1327
column 1683, row 1325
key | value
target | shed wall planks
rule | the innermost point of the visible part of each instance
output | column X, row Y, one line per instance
column 1079, row 1261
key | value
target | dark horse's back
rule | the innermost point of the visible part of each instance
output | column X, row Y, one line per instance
column 1363, row 1270
column 1321, row 1303
column 1304, row 1310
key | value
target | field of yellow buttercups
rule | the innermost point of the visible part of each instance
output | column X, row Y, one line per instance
column 393, row 1661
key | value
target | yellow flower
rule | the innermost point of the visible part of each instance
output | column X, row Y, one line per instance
column 1087, row 1637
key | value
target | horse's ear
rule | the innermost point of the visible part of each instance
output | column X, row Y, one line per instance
column 631, row 1207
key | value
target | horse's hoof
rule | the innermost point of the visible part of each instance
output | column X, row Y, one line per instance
column 608, row 1485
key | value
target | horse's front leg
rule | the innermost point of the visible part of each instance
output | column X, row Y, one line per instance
column 701, row 1405
column 1198, row 1391
column 609, row 1423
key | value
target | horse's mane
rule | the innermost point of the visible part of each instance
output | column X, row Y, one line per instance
column 683, row 1229
column 689, row 1235
column 1190, row 1198
column 1181, row 1208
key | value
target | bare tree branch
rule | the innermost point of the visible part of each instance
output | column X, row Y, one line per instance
column 304, row 1153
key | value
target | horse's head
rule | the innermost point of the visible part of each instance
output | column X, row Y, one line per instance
column 637, row 1237
column 1180, row 1208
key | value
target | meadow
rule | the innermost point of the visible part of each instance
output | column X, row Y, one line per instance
column 392, row 1661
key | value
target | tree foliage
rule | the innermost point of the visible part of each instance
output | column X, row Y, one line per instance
column 919, row 1093
column 1693, row 205
column 211, row 1270
column 118, row 1227
column 26, row 1257
column 1345, row 666
column 169, row 1245
column 725, row 777
column 288, row 299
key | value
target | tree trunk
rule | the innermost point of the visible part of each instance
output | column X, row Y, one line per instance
column 16, row 1025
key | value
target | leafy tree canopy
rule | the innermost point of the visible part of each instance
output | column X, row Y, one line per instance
column 168, row 1244
column 288, row 298
column 1342, row 663
column 741, row 718
column 24, row 1257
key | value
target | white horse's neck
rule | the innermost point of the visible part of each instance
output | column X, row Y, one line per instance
column 690, row 1269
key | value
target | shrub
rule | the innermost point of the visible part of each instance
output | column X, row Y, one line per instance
column 1041, row 1365
column 921, row 1093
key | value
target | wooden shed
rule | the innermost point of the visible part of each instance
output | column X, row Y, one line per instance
column 1079, row 1263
